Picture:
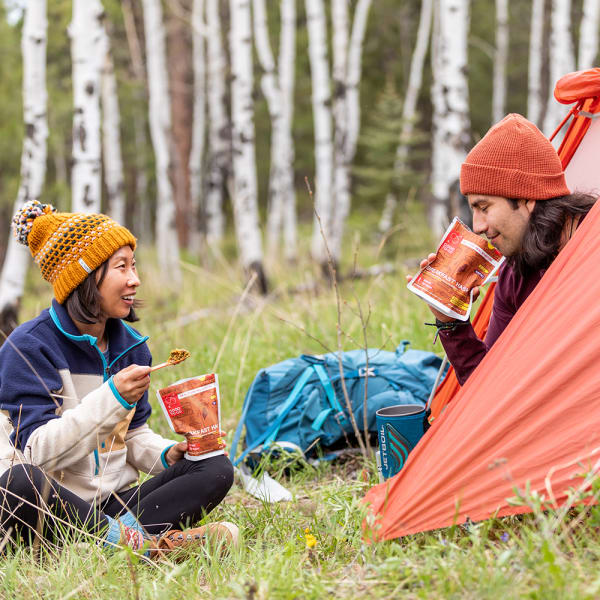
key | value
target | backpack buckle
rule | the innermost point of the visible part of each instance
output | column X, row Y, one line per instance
column 364, row 372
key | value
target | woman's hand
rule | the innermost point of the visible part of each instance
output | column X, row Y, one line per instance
column 436, row 313
column 176, row 452
column 132, row 381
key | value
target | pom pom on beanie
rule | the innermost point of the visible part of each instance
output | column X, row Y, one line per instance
column 514, row 160
column 22, row 222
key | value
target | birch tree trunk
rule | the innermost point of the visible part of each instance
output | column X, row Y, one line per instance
column 279, row 103
column 409, row 108
column 33, row 157
column 88, row 50
column 160, row 131
column 534, row 95
column 500, row 59
column 198, row 125
column 561, row 60
column 588, row 35
column 321, row 101
column 111, row 142
column 450, row 121
column 219, row 130
column 245, row 192
column 341, row 176
column 347, row 92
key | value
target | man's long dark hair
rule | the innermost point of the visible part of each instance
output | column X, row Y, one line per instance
column 542, row 239
column 83, row 304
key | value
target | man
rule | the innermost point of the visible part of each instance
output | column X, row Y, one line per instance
column 516, row 188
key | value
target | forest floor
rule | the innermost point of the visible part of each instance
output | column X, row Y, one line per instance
column 530, row 556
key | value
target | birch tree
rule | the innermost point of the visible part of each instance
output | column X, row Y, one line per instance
column 534, row 78
column 450, row 121
column 88, row 51
column 321, row 101
column 500, row 59
column 409, row 108
column 33, row 157
column 561, row 59
column 160, row 131
column 347, row 68
column 219, row 157
column 277, row 84
column 199, row 124
column 245, row 190
column 588, row 35
column 111, row 142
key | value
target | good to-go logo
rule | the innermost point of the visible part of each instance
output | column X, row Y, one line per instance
column 452, row 241
column 171, row 402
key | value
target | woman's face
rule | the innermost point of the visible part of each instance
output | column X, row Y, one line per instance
column 119, row 285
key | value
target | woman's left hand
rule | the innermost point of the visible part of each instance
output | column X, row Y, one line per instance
column 176, row 452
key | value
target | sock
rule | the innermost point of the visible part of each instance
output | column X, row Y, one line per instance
column 125, row 530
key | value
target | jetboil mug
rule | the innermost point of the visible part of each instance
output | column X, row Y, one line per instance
column 399, row 428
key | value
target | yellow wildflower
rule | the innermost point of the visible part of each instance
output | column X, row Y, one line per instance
column 311, row 540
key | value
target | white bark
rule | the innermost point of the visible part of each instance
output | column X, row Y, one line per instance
column 409, row 108
column 500, row 60
column 561, row 60
column 160, row 131
column 321, row 100
column 534, row 95
column 218, row 127
column 279, row 103
column 111, row 142
column 450, row 101
column 588, row 35
column 33, row 157
column 341, row 175
column 347, row 114
column 245, row 191
column 199, row 124
column 88, row 49
column 287, row 64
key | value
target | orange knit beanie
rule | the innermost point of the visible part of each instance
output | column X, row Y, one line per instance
column 514, row 160
column 68, row 246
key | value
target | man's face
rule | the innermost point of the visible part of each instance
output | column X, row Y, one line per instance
column 502, row 224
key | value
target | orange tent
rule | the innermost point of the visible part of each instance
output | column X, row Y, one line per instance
column 529, row 415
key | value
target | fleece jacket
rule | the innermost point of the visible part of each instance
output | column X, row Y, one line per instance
column 63, row 412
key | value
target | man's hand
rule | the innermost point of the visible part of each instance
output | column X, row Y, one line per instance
column 436, row 313
column 132, row 381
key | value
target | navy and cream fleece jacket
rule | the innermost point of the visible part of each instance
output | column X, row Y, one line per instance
column 67, row 416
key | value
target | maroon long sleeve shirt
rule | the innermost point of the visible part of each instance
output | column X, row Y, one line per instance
column 463, row 348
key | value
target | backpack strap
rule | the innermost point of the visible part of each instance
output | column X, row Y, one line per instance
column 335, row 405
column 269, row 436
column 240, row 426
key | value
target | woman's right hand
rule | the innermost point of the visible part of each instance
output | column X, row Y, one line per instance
column 132, row 381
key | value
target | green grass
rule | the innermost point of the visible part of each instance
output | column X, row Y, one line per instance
column 531, row 556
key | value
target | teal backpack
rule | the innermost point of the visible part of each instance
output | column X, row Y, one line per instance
column 299, row 403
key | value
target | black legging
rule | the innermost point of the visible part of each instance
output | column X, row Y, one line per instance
column 177, row 497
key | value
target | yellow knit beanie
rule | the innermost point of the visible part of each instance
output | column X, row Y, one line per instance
column 68, row 246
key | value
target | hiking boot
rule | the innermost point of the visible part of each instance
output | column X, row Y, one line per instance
column 221, row 534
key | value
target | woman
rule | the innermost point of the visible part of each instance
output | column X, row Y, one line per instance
column 74, row 382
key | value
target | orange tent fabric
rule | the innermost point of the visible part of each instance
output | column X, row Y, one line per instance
column 528, row 415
